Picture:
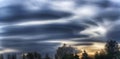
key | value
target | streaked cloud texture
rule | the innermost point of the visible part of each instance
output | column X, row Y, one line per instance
column 43, row 25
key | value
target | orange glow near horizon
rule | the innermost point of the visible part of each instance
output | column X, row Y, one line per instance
column 92, row 48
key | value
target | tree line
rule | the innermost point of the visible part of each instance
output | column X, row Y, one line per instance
column 29, row 55
column 111, row 51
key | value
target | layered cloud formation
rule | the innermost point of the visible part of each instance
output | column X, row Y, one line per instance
column 37, row 25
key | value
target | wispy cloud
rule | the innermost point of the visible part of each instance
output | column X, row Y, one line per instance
column 49, row 20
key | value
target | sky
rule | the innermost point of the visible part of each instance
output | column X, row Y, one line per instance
column 44, row 25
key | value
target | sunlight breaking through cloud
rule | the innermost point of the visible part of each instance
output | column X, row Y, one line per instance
column 6, row 50
column 56, row 22
column 98, row 30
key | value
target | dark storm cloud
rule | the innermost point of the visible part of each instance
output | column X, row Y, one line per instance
column 100, row 3
column 46, row 32
column 19, row 13
column 27, row 46
column 42, row 29
column 89, row 40
column 24, row 44
column 15, row 35
column 114, row 34
column 110, row 14
column 84, row 44
column 35, row 30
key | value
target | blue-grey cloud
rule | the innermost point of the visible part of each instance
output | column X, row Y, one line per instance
column 84, row 44
column 19, row 13
column 24, row 24
column 89, row 40
column 100, row 3
column 28, row 46
column 114, row 33
column 109, row 14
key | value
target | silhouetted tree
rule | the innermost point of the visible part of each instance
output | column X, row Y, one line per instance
column 112, row 49
column 30, row 56
column 47, row 56
column 102, row 54
column 68, row 56
column 1, row 56
column 76, row 56
column 23, row 56
column 37, row 55
column 11, row 56
column 8, row 56
column 85, row 55
column 97, row 56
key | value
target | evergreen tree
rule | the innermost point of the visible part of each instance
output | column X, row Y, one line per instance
column 47, row 56
column 30, row 56
column 8, row 56
column 97, row 56
column 37, row 55
column 112, row 49
column 23, row 57
column 1, row 56
column 13, row 56
column 76, row 56
column 102, row 54
column 68, row 56
column 85, row 55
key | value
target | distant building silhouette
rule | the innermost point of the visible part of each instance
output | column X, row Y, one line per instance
column 64, row 50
